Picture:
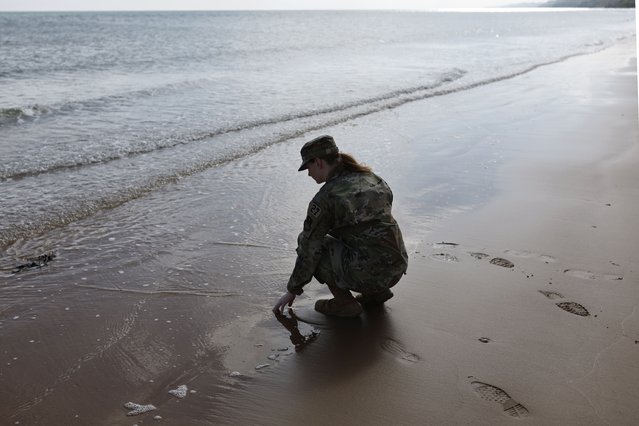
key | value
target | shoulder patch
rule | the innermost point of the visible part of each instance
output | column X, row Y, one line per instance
column 314, row 210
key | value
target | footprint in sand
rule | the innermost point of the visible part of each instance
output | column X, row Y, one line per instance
column 584, row 275
column 495, row 394
column 444, row 257
column 499, row 261
column 552, row 294
column 396, row 349
column 587, row 275
column 480, row 256
column 611, row 277
column 574, row 308
column 529, row 255
column 505, row 263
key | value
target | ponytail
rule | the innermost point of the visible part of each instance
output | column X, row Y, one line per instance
column 348, row 162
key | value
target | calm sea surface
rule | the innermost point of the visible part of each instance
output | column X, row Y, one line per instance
column 97, row 109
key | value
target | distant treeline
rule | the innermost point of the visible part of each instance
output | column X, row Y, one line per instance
column 590, row 3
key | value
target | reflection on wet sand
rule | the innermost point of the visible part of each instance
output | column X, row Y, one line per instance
column 298, row 340
column 348, row 347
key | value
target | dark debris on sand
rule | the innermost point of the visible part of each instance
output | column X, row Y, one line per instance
column 35, row 262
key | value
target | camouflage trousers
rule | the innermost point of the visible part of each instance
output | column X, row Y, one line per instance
column 333, row 271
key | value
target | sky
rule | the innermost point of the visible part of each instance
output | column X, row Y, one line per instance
column 77, row 5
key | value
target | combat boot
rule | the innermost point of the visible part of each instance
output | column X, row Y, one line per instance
column 372, row 299
column 334, row 308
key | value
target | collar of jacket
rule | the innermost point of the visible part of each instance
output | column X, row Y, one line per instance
column 337, row 171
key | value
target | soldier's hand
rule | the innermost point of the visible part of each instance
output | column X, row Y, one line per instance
column 287, row 299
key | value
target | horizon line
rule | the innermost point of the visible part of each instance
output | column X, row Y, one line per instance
column 454, row 9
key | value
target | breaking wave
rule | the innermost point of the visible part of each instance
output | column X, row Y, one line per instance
column 19, row 115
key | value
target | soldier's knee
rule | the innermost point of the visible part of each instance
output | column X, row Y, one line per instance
column 324, row 272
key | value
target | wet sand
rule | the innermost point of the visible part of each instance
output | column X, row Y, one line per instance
column 539, row 171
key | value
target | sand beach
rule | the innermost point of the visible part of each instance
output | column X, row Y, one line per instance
column 520, row 305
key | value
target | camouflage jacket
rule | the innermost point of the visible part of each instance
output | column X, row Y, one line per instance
column 355, row 209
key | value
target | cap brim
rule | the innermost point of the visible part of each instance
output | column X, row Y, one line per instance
column 304, row 166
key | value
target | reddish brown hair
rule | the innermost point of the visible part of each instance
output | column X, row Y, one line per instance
column 348, row 161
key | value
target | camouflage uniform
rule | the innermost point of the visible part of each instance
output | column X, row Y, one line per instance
column 350, row 238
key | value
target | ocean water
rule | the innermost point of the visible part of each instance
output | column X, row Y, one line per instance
column 98, row 109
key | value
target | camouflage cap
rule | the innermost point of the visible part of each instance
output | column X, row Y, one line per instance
column 318, row 147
